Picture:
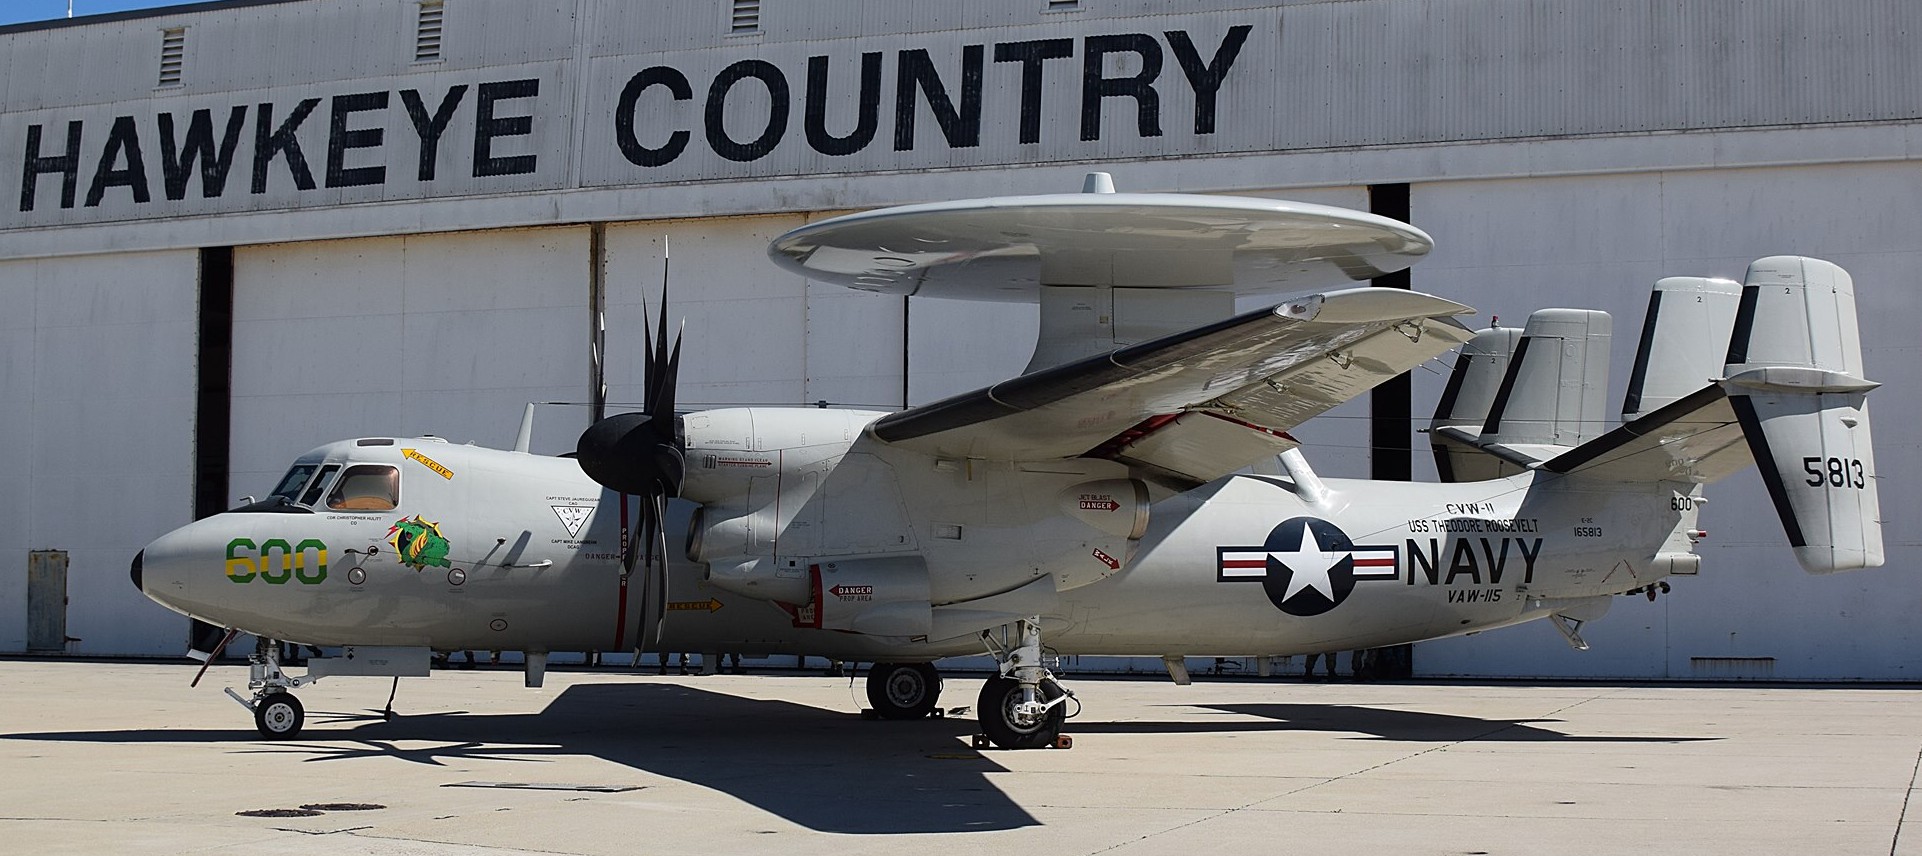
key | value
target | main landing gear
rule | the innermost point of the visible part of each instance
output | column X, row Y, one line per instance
column 1024, row 706
column 903, row 690
column 277, row 713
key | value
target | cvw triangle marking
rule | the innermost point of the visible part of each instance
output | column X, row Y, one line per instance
column 572, row 517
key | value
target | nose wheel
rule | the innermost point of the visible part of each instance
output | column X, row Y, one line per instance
column 279, row 716
column 1006, row 723
column 1022, row 707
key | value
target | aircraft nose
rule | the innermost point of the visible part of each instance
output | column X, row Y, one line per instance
column 138, row 560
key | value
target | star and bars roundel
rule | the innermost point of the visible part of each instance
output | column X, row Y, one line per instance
column 1307, row 566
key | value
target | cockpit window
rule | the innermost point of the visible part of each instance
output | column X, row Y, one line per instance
column 289, row 488
column 312, row 494
column 366, row 487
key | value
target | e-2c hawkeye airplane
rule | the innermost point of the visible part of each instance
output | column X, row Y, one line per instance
column 1135, row 492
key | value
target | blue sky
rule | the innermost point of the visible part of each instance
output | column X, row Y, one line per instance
column 21, row 11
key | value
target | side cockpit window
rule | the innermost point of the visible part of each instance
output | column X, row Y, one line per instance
column 312, row 494
column 366, row 487
column 291, row 484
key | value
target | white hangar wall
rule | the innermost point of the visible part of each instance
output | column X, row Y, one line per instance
column 97, row 373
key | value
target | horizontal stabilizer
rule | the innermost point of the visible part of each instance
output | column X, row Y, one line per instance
column 1692, row 439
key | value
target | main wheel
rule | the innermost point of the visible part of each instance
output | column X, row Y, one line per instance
column 903, row 690
column 996, row 712
column 279, row 716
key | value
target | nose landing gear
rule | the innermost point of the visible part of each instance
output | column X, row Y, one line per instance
column 1024, row 706
column 277, row 714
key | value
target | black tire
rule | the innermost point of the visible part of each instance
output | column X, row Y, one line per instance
column 995, row 710
column 903, row 690
column 279, row 716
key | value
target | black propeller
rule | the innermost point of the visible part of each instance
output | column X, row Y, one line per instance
column 642, row 454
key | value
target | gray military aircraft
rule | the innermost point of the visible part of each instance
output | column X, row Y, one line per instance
column 1135, row 492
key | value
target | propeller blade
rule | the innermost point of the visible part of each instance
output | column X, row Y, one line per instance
column 662, row 403
column 660, row 569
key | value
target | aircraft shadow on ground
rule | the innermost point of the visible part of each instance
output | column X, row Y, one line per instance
column 1377, row 723
column 825, row 770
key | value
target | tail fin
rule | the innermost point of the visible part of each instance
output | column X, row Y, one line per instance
column 1794, row 377
column 1455, row 431
column 1792, row 400
column 1685, row 337
column 1549, row 399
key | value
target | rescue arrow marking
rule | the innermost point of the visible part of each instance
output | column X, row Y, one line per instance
column 427, row 462
column 709, row 605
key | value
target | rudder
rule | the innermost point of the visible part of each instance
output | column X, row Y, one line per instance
column 1794, row 378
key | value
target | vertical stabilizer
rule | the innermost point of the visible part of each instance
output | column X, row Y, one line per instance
column 1552, row 395
column 1456, row 427
column 1684, row 341
column 1794, row 377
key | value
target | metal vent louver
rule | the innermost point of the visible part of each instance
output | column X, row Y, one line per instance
column 427, row 33
column 173, row 53
column 1062, row 5
column 746, row 17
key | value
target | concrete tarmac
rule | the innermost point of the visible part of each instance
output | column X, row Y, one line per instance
column 99, row 758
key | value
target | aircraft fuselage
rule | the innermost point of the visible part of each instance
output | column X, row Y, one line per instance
column 486, row 549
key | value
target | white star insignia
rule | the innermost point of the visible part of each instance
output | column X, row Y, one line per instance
column 1310, row 564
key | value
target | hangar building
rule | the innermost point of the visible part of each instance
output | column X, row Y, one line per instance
column 231, row 231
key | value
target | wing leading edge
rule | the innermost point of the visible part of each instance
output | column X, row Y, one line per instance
column 1198, row 404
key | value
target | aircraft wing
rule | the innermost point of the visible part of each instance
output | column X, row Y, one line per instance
column 1199, row 404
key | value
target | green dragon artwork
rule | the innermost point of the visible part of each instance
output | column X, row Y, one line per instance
column 418, row 543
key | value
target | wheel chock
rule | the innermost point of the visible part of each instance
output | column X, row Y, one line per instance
column 980, row 741
column 1063, row 741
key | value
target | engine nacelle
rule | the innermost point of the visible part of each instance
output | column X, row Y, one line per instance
column 727, row 449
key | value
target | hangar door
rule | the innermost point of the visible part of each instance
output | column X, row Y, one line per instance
column 47, row 601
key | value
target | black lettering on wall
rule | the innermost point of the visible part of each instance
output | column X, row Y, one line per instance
column 1206, row 79
column 630, row 144
column 340, row 139
column 123, row 138
column 487, row 127
column 771, row 134
column 429, row 128
column 285, row 140
column 961, row 126
column 814, row 118
column 177, row 159
column 67, row 165
column 1031, row 55
column 1140, row 86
